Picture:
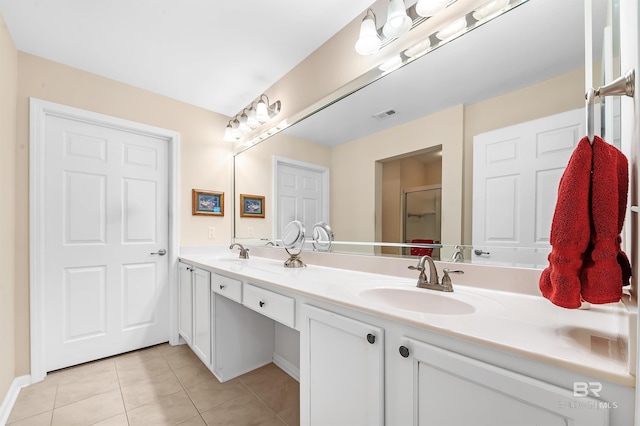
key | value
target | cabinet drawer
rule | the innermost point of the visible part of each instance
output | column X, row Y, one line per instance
column 227, row 287
column 280, row 308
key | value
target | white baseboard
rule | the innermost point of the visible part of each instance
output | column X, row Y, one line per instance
column 286, row 366
column 11, row 397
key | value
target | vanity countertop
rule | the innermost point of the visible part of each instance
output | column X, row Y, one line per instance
column 583, row 341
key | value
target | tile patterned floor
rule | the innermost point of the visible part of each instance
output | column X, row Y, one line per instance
column 161, row 385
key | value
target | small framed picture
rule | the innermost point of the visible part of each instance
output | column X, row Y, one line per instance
column 251, row 205
column 207, row 203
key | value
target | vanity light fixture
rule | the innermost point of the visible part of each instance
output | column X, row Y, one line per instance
column 250, row 118
column 398, row 22
column 369, row 41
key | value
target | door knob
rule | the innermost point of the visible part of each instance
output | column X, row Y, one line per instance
column 160, row 252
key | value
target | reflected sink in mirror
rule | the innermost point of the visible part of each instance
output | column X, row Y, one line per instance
column 418, row 300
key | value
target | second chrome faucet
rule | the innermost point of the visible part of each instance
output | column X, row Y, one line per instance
column 433, row 282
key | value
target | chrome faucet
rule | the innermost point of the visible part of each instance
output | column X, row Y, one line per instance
column 244, row 252
column 433, row 282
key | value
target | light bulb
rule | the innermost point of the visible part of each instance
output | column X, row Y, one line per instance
column 369, row 42
column 252, row 121
column 391, row 63
column 235, row 129
column 398, row 22
column 427, row 8
column 243, row 126
column 262, row 113
column 489, row 9
column 419, row 48
column 228, row 133
column 453, row 29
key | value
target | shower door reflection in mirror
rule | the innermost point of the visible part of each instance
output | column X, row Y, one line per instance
column 422, row 219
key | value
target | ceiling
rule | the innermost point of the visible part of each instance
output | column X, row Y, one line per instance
column 218, row 55
column 535, row 41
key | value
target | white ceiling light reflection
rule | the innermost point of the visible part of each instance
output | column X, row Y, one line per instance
column 453, row 29
column 391, row 63
column 419, row 48
column 490, row 9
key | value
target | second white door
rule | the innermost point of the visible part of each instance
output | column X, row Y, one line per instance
column 301, row 192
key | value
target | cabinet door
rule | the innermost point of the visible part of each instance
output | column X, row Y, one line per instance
column 185, row 299
column 446, row 388
column 201, row 285
column 341, row 370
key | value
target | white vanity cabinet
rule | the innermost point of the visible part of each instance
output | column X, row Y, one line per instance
column 341, row 370
column 361, row 367
column 195, row 310
column 433, row 386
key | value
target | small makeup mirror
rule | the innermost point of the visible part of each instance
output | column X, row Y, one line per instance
column 293, row 241
column 322, row 237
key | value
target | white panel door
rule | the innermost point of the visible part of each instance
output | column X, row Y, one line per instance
column 516, row 172
column 106, row 203
column 301, row 194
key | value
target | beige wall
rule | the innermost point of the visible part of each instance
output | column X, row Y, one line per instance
column 354, row 184
column 8, row 93
column 205, row 160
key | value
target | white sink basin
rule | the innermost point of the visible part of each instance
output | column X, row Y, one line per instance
column 418, row 300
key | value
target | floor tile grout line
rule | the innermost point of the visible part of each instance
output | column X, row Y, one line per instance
column 124, row 405
column 84, row 399
column 261, row 400
column 55, row 397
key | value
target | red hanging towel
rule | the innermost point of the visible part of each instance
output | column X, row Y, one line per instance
column 606, row 268
column 421, row 251
column 586, row 260
column 570, row 231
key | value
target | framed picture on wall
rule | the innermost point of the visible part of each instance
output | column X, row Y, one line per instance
column 251, row 205
column 209, row 203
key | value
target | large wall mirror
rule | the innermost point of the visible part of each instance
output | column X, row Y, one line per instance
column 362, row 163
